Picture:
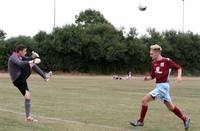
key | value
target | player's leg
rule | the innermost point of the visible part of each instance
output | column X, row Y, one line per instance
column 165, row 96
column 173, row 108
column 23, row 88
column 37, row 69
column 27, row 104
column 21, row 84
column 144, row 107
column 25, row 73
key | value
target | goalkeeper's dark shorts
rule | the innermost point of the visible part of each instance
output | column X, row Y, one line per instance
column 21, row 82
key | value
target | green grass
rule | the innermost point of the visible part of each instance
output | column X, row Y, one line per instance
column 95, row 103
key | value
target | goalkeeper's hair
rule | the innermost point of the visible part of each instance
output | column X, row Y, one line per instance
column 20, row 48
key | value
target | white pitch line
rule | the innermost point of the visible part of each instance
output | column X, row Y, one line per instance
column 71, row 122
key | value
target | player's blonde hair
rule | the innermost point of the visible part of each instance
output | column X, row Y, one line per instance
column 156, row 47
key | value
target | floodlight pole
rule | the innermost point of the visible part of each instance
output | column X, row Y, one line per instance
column 183, row 17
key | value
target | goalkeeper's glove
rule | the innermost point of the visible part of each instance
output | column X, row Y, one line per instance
column 33, row 62
column 36, row 60
column 35, row 55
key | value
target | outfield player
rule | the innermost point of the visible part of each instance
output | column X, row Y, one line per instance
column 19, row 68
column 160, row 70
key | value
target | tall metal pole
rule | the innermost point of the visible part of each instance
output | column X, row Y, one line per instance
column 54, row 24
column 183, row 17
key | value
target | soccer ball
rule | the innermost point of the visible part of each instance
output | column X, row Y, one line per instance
column 142, row 7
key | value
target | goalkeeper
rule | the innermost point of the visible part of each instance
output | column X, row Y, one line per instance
column 19, row 68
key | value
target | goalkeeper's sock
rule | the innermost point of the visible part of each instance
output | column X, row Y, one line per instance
column 143, row 112
column 179, row 113
column 37, row 69
column 27, row 107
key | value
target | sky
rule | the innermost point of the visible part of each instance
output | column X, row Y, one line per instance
column 28, row 17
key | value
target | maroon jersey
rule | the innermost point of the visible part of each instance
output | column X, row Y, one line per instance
column 161, row 69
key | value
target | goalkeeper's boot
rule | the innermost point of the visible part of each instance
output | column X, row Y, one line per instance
column 48, row 75
column 30, row 119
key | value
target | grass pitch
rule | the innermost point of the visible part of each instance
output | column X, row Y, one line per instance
column 95, row 103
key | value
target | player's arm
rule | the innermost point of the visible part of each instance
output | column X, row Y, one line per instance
column 178, row 68
column 179, row 76
column 27, row 58
column 19, row 62
column 151, row 76
column 147, row 78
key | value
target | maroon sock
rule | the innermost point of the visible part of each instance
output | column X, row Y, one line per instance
column 179, row 113
column 143, row 112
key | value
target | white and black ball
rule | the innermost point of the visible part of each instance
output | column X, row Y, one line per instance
column 142, row 7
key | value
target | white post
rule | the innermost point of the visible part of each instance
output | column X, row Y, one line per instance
column 54, row 24
column 183, row 17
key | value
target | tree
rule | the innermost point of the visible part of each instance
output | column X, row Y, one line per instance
column 89, row 17
column 132, row 32
column 104, row 48
column 45, row 47
column 2, row 35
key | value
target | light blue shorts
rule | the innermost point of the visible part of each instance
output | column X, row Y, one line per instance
column 161, row 91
